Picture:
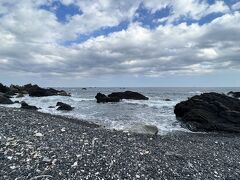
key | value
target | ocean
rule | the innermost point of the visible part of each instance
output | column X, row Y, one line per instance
column 127, row 115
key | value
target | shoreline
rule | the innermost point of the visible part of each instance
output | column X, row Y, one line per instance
column 40, row 145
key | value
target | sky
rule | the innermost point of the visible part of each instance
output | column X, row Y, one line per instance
column 120, row 43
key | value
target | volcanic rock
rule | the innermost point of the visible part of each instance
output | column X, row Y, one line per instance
column 210, row 112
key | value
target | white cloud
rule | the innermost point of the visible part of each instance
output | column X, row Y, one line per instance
column 29, row 40
column 236, row 6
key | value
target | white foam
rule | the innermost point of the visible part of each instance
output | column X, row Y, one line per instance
column 153, row 103
column 156, row 111
column 195, row 92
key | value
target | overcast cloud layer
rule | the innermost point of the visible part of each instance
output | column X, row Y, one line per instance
column 36, row 41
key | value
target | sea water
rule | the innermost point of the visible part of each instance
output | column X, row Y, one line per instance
column 127, row 114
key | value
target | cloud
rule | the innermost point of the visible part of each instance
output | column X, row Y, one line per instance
column 31, row 40
column 236, row 6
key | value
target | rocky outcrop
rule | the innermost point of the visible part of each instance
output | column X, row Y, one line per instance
column 64, row 107
column 128, row 95
column 102, row 98
column 4, row 89
column 210, row 112
column 24, row 105
column 117, row 96
column 234, row 94
column 32, row 90
column 20, row 95
column 36, row 91
column 5, row 100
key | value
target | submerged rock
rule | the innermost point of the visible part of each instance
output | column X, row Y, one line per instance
column 64, row 107
column 128, row 95
column 24, row 105
column 234, row 94
column 210, row 112
column 102, row 98
column 5, row 100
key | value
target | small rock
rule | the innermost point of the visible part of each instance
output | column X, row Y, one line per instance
column 75, row 164
column 46, row 160
column 63, row 130
column 38, row 135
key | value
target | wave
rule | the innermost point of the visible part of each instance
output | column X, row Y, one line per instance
column 195, row 92
column 152, row 103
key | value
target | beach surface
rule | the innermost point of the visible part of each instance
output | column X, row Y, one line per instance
column 35, row 145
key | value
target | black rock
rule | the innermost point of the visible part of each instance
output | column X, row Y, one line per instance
column 210, row 112
column 16, row 102
column 167, row 99
column 102, row 98
column 64, row 107
column 128, row 95
column 4, row 89
column 51, row 107
column 234, row 94
column 5, row 100
column 84, row 88
column 24, row 105
column 20, row 95
column 36, row 91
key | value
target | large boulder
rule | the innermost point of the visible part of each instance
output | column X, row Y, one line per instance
column 150, row 129
column 128, row 95
column 234, row 94
column 24, row 105
column 5, row 100
column 210, row 112
column 64, row 107
column 102, row 98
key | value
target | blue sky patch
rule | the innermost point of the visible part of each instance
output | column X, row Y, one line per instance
column 62, row 11
column 100, row 32
column 149, row 19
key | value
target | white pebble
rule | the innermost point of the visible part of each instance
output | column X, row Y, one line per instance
column 75, row 164
column 38, row 135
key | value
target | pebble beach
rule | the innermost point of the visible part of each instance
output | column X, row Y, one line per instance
column 36, row 145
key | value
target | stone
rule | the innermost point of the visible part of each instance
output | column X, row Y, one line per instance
column 209, row 112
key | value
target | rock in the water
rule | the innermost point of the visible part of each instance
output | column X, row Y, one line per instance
column 20, row 95
column 102, row 98
column 64, row 107
column 24, row 105
column 84, row 88
column 210, row 112
column 36, row 91
column 117, row 96
column 51, row 107
column 4, row 89
column 234, row 94
column 5, row 100
column 128, row 95
column 167, row 99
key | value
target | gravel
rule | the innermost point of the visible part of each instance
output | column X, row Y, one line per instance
column 35, row 145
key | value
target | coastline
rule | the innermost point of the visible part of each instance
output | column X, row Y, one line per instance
column 38, row 145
